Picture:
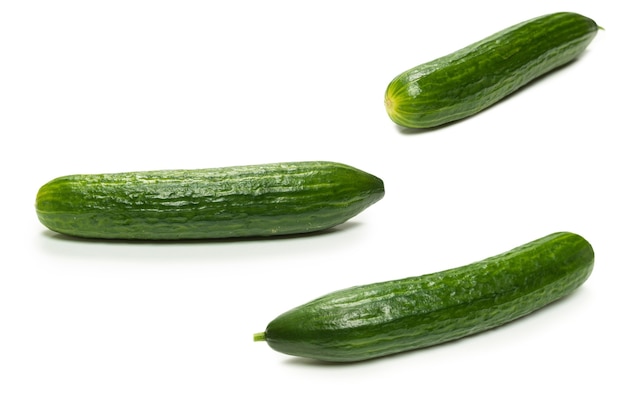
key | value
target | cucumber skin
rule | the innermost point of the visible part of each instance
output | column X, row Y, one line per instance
column 384, row 318
column 471, row 79
column 229, row 202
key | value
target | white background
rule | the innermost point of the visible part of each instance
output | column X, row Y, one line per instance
column 101, row 329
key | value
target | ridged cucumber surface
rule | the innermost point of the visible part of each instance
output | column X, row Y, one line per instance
column 384, row 318
column 471, row 79
column 241, row 201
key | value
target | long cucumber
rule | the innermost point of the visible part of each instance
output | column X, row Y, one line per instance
column 380, row 319
column 241, row 201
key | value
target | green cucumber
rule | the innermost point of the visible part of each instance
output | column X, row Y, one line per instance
column 471, row 79
column 241, row 201
column 384, row 318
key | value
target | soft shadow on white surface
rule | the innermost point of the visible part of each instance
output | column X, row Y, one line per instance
column 232, row 249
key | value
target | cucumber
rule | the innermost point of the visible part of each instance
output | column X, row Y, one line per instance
column 241, row 201
column 384, row 318
column 471, row 79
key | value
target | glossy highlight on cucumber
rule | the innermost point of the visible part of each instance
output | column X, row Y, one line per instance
column 230, row 202
column 385, row 318
column 471, row 79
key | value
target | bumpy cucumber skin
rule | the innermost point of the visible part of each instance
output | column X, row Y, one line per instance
column 229, row 202
column 471, row 79
column 380, row 319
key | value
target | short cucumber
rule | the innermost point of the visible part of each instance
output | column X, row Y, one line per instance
column 384, row 318
column 241, row 201
column 469, row 80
